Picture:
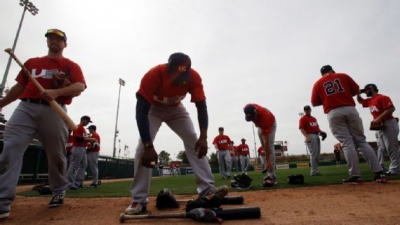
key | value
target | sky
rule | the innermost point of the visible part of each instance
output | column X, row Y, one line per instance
column 259, row 51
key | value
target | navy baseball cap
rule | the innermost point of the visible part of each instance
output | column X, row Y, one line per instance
column 57, row 32
column 86, row 118
column 368, row 86
column 250, row 112
column 177, row 60
column 93, row 127
column 326, row 69
column 307, row 107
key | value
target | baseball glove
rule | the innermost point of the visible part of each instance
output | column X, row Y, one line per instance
column 295, row 179
column 323, row 135
column 43, row 189
column 203, row 203
column 165, row 199
column 60, row 80
column 268, row 181
column 374, row 126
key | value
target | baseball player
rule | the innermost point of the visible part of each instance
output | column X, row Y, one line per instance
column 265, row 121
column 309, row 127
column 382, row 108
column 234, row 157
column 92, row 152
column 261, row 155
column 336, row 152
column 223, row 146
column 34, row 116
column 381, row 149
column 335, row 91
column 244, row 154
column 77, row 168
column 159, row 100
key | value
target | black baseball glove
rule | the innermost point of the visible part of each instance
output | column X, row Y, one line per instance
column 165, row 199
column 268, row 181
column 323, row 135
column 213, row 204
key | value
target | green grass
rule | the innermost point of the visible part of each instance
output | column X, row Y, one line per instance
column 181, row 185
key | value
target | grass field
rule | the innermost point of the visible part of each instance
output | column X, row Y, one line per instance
column 181, row 185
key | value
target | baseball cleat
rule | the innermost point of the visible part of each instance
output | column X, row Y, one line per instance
column 352, row 180
column 135, row 209
column 380, row 178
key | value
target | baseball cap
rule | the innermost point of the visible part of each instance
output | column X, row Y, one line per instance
column 243, row 139
column 86, row 118
column 325, row 69
column 93, row 127
column 307, row 107
column 177, row 60
column 220, row 128
column 57, row 32
column 250, row 112
column 368, row 86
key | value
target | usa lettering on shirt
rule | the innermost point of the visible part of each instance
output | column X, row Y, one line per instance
column 46, row 74
column 314, row 124
column 222, row 141
column 373, row 109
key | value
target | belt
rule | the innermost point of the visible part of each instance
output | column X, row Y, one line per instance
column 37, row 101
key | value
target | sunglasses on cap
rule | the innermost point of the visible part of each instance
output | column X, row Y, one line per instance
column 56, row 32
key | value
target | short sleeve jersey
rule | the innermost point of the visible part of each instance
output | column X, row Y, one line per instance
column 43, row 69
column 96, row 148
column 333, row 91
column 265, row 119
column 222, row 142
column 157, row 88
column 243, row 149
column 377, row 105
column 79, row 132
column 261, row 151
column 309, row 124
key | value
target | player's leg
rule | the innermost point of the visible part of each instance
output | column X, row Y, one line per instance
column 78, row 154
column 313, row 148
column 391, row 142
column 271, row 141
column 93, row 165
column 380, row 153
column 228, row 161
column 81, row 171
column 337, row 119
column 221, row 164
column 142, row 175
column 357, row 131
column 18, row 132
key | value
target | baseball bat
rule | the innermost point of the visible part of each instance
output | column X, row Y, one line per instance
column 227, row 200
column 56, row 107
column 226, row 214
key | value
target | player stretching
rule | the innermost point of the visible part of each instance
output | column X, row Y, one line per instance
column 335, row 91
column 159, row 100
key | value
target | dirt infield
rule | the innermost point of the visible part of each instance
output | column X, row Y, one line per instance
column 365, row 204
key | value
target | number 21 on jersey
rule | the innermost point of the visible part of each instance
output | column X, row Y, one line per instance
column 330, row 87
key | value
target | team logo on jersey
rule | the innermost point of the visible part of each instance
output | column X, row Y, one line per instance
column 373, row 109
column 223, row 141
column 46, row 74
column 314, row 124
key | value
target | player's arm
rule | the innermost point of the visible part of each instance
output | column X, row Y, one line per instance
column 387, row 113
column 12, row 95
column 267, row 150
column 202, row 115
column 142, row 119
column 74, row 89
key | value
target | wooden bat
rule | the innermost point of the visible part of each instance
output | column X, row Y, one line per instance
column 226, row 214
column 56, row 107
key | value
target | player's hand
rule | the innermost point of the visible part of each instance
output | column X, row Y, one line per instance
column 308, row 139
column 201, row 147
column 49, row 94
column 377, row 122
column 149, row 157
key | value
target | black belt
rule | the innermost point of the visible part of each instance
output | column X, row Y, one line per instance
column 37, row 101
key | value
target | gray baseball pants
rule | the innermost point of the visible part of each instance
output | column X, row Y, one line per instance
column 271, row 140
column 31, row 120
column 346, row 126
column 224, row 161
column 381, row 149
column 389, row 139
column 314, row 147
column 234, row 163
column 92, row 159
column 77, row 168
column 178, row 119
column 244, row 163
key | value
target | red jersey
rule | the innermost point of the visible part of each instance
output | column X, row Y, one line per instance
column 261, row 151
column 43, row 69
column 377, row 105
column 79, row 132
column 222, row 142
column 69, row 143
column 309, row 124
column 93, row 146
column 333, row 91
column 234, row 152
column 243, row 149
column 157, row 88
column 265, row 119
